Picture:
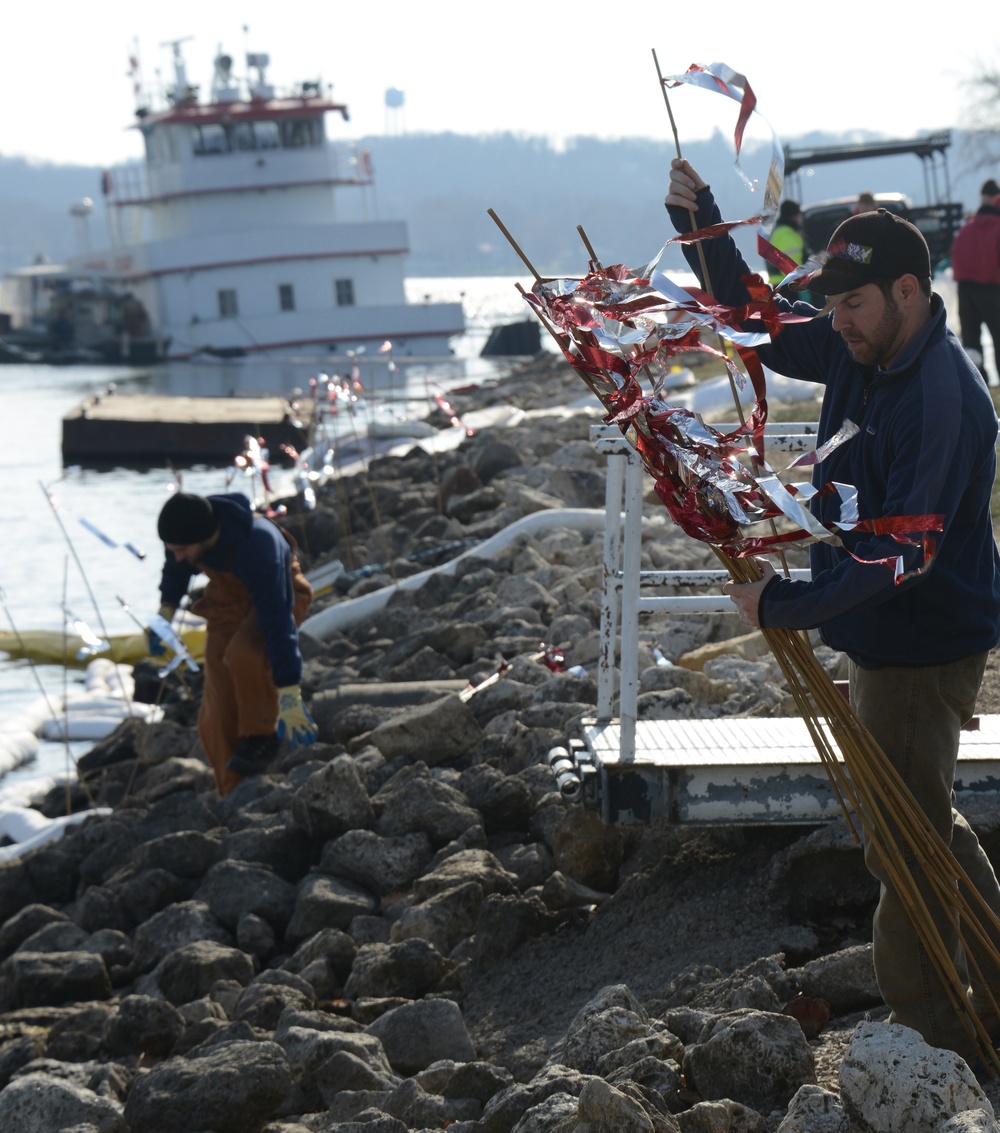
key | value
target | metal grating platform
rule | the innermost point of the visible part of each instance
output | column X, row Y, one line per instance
column 705, row 771
column 738, row 770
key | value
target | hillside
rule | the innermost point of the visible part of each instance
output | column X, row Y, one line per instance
column 442, row 184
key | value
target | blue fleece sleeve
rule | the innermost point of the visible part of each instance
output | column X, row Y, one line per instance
column 800, row 350
column 263, row 565
column 175, row 580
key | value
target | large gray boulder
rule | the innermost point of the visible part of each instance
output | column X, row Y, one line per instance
column 169, row 929
column 611, row 1021
column 475, row 865
column 188, row 853
column 815, row 1110
column 408, row 969
column 232, row 889
column 44, row 979
column 231, row 1088
column 332, row 801
column 603, row 1108
column 442, row 920
column 382, row 865
column 189, row 972
column 319, row 1078
column 845, row 979
column 263, row 1001
column 25, row 923
column 327, row 902
column 44, row 1103
column 434, row 733
column 757, row 1058
column 144, row 1025
column 891, row 1079
column 414, row 801
column 416, row 1034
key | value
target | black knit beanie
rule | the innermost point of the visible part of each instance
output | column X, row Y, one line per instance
column 186, row 519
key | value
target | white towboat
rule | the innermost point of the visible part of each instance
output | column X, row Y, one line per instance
column 245, row 230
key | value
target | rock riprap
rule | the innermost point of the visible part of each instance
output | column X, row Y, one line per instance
column 405, row 926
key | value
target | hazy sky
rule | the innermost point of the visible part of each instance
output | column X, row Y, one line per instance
column 550, row 69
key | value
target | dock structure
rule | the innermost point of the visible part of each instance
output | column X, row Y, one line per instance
column 730, row 770
column 145, row 429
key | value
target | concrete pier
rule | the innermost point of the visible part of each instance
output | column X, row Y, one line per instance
column 143, row 430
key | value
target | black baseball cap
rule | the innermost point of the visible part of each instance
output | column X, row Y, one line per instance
column 868, row 247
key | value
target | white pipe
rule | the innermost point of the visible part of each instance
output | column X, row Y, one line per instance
column 349, row 613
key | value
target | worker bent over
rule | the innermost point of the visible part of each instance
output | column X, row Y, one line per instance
column 255, row 599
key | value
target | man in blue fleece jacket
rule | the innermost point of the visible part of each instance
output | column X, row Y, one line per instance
column 926, row 446
column 254, row 601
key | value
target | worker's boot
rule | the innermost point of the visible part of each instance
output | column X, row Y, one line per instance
column 254, row 754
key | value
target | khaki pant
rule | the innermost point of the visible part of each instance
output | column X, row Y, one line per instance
column 915, row 715
column 240, row 698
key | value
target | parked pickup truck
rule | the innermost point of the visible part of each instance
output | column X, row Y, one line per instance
column 938, row 222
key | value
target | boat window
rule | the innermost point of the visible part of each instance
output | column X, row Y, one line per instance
column 228, row 306
column 160, row 143
column 345, row 292
column 286, row 296
column 241, row 136
column 267, row 134
column 298, row 132
column 210, row 138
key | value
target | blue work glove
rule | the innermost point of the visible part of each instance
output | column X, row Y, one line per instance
column 294, row 722
column 154, row 642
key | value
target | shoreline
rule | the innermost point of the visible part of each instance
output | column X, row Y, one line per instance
column 406, row 923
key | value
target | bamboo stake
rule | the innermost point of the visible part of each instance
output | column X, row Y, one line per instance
column 677, row 147
column 589, row 247
column 886, row 807
column 513, row 243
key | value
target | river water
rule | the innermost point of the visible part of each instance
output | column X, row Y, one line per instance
column 52, row 559
column 52, row 562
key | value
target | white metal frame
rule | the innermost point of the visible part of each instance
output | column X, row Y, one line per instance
column 621, row 599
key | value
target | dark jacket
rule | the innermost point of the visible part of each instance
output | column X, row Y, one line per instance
column 926, row 446
column 975, row 251
column 258, row 554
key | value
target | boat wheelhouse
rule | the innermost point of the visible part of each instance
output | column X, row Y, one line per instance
column 245, row 230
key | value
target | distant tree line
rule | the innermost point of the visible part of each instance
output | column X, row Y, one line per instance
column 442, row 185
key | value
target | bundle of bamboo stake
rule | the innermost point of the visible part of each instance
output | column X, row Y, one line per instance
column 863, row 779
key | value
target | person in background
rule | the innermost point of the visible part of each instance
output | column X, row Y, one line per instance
column 917, row 648
column 975, row 264
column 787, row 237
column 255, row 599
column 866, row 203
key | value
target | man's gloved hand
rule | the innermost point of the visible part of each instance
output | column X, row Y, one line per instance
column 294, row 722
column 153, row 640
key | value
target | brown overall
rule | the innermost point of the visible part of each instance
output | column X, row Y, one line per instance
column 239, row 698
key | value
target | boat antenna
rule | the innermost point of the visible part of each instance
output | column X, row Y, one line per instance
column 135, row 74
column 182, row 90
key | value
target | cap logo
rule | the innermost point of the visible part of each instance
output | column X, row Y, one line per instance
column 858, row 253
